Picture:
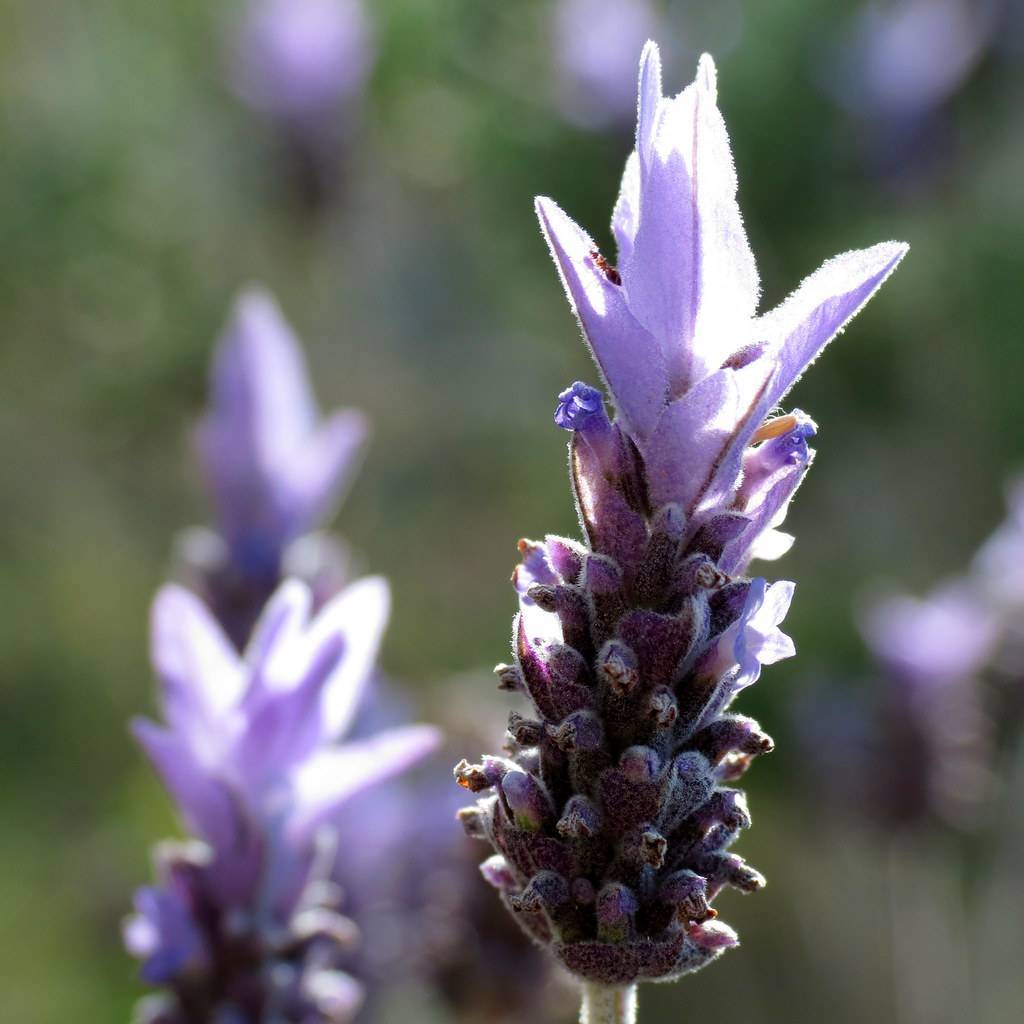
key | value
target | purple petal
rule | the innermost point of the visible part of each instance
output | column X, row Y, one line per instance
column 942, row 638
column 358, row 614
column 200, row 673
column 689, row 273
column 695, row 454
column 285, row 724
column 163, row 935
column 628, row 357
column 817, row 311
column 204, row 802
column 322, row 470
column 334, row 775
column 280, row 624
column 261, row 404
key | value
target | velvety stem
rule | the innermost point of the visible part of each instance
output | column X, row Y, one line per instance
column 603, row 1004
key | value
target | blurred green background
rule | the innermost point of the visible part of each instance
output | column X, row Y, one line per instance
column 137, row 194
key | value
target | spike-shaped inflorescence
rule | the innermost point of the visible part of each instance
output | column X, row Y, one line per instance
column 274, row 469
column 613, row 814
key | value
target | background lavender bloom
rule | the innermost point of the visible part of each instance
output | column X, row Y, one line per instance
column 610, row 820
column 301, row 58
column 246, row 922
column 275, row 471
column 304, row 66
column 914, row 746
column 896, row 67
column 595, row 43
column 997, row 565
column 932, row 744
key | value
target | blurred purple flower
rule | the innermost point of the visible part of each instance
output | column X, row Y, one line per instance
column 250, row 755
column 594, row 46
column 163, row 933
column 610, row 822
column 940, row 639
column 755, row 639
column 300, row 59
column 999, row 565
column 275, row 471
column 908, row 57
column 896, row 66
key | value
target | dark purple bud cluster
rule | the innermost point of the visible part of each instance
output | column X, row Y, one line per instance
column 610, row 819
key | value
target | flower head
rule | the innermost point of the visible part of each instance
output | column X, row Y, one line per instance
column 691, row 367
column 250, row 754
column 611, row 820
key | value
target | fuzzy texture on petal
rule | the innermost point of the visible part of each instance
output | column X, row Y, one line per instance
column 628, row 357
column 799, row 329
column 687, row 266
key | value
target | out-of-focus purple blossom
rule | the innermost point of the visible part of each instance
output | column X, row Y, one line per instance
column 931, row 739
column 610, row 820
column 163, row 933
column 998, row 567
column 300, row 59
column 930, row 642
column 274, row 469
column 895, row 67
column 917, row 745
column 906, row 58
column 595, row 43
column 249, row 751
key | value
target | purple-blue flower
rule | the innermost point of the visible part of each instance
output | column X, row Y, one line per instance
column 250, row 752
column 301, row 58
column 611, row 819
column 755, row 638
column 576, row 404
column 163, row 933
column 998, row 564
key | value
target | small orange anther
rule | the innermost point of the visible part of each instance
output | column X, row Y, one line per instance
column 774, row 428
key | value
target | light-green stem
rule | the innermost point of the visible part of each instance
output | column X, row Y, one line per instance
column 603, row 1004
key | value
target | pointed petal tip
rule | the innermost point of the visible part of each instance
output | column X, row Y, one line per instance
column 707, row 76
column 371, row 588
column 171, row 601
column 552, row 216
column 651, row 55
column 253, row 304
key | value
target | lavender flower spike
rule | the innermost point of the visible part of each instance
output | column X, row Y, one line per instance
column 274, row 469
column 243, row 923
column 612, row 818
